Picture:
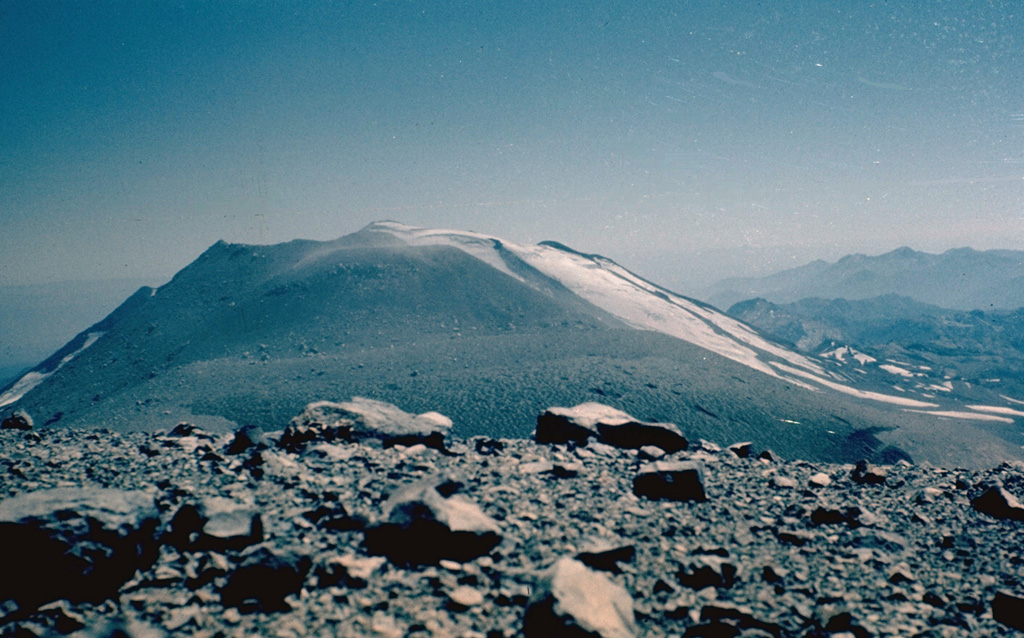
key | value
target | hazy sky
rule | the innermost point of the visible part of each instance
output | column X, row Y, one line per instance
column 675, row 137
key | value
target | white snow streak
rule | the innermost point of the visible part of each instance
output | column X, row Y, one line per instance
column 891, row 369
column 953, row 414
column 642, row 305
column 33, row 379
column 863, row 394
column 995, row 409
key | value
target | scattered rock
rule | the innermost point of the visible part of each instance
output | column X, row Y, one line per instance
column 819, row 479
column 217, row 524
column 349, row 570
column 867, row 474
column 742, row 450
column 361, row 419
column 671, row 480
column 1008, row 609
column 699, row 572
column 574, row 601
column 783, row 482
column 76, row 543
column 998, row 503
column 464, row 597
column 249, row 437
column 608, row 425
column 605, row 554
column 419, row 525
column 20, row 420
column 264, row 578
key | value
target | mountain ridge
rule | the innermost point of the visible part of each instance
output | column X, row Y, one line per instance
column 959, row 278
column 487, row 331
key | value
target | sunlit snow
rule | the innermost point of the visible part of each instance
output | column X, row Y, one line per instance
column 33, row 379
column 975, row 416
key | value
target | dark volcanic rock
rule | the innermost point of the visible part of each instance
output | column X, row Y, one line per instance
column 671, row 480
column 867, row 474
column 79, row 544
column 249, row 437
column 607, row 424
column 998, row 503
column 707, row 571
column 419, row 525
column 605, row 554
column 264, row 578
column 573, row 601
column 1008, row 609
column 20, row 420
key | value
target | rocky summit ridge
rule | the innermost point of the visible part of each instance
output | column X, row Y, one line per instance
column 359, row 519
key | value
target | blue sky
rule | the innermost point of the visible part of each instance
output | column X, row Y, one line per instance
column 685, row 140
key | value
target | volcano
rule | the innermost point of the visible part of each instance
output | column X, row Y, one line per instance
column 485, row 331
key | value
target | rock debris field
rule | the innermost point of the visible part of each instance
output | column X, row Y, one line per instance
column 358, row 519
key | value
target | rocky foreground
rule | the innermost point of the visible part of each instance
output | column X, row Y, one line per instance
column 361, row 520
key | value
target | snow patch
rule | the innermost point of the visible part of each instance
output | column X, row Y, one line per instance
column 1017, row 401
column 32, row 379
column 954, row 414
column 646, row 306
column 863, row 394
column 475, row 244
column 995, row 409
column 891, row 369
column 842, row 352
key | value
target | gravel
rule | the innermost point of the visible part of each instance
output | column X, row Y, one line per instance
column 270, row 542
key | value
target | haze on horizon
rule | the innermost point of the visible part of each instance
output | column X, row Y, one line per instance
column 686, row 142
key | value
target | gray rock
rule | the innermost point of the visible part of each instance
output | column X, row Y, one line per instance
column 215, row 523
column 867, row 474
column 348, row 570
column 671, row 480
column 607, row 424
column 574, row 601
column 78, row 544
column 419, row 526
column 363, row 418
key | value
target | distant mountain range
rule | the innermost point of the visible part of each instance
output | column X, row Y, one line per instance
column 487, row 332
column 947, row 350
column 962, row 278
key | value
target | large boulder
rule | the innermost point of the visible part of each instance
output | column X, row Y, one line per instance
column 608, row 425
column 420, row 526
column 78, row 544
column 361, row 419
column 573, row 601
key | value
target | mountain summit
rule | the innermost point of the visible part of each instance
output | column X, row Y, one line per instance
column 485, row 331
